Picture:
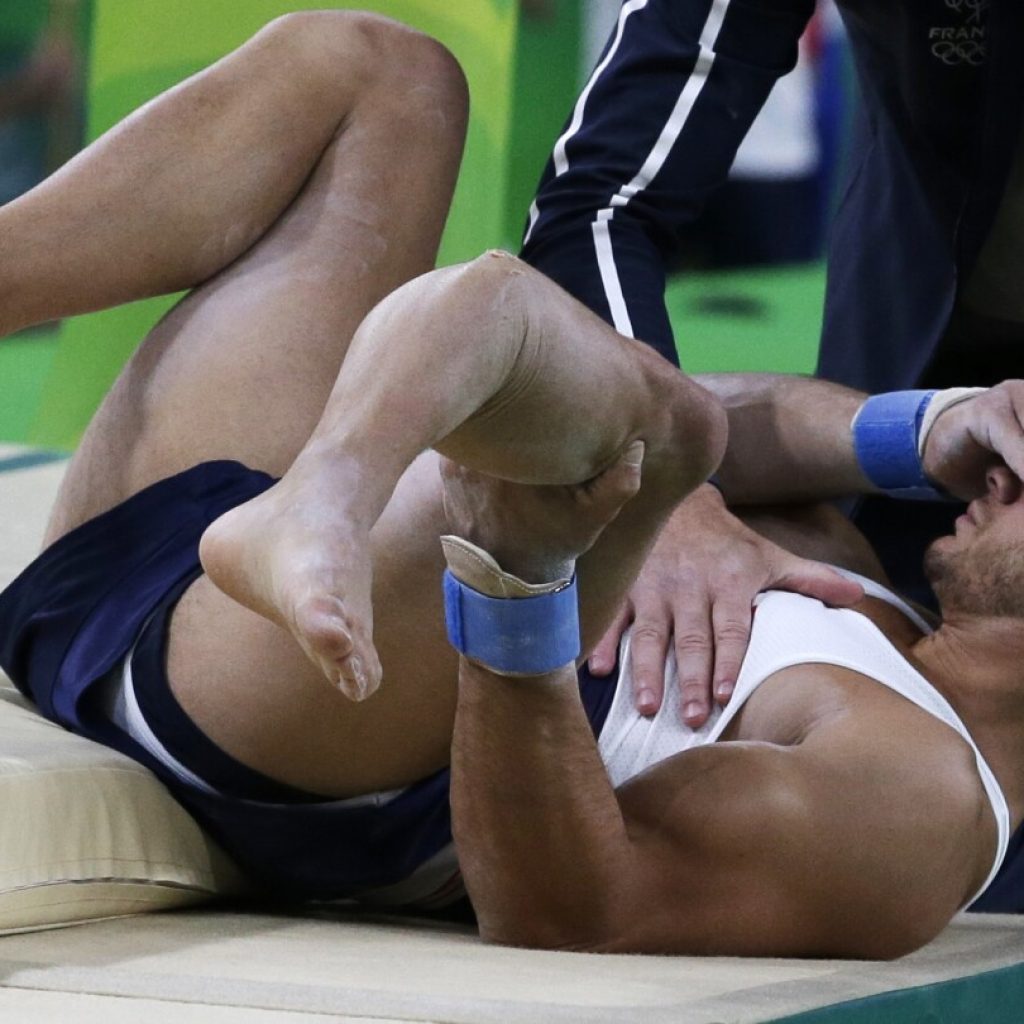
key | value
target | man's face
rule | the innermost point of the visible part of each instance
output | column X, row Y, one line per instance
column 979, row 570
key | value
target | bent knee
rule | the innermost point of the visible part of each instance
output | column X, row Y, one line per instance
column 495, row 269
column 495, row 286
column 684, row 426
column 412, row 73
column 419, row 74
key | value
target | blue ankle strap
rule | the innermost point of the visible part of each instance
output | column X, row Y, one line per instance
column 513, row 636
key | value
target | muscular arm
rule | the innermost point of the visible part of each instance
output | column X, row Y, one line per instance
column 651, row 136
column 789, row 438
column 737, row 848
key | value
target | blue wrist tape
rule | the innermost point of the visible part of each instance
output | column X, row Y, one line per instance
column 513, row 636
column 885, row 433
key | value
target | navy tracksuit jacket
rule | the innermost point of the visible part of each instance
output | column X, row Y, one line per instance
column 655, row 131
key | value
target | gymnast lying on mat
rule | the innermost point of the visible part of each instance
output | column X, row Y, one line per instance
column 857, row 791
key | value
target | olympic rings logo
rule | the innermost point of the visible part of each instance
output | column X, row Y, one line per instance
column 973, row 8
column 957, row 52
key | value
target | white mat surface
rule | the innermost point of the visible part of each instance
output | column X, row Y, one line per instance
column 413, row 971
column 218, row 967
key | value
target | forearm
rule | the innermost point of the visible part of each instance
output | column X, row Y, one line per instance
column 790, row 438
column 541, row 839
column 635, row 165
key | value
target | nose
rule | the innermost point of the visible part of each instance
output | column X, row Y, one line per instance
column 1003, row 485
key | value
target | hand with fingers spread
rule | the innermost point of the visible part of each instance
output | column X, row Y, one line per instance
column 697, row 591
column 970, row 437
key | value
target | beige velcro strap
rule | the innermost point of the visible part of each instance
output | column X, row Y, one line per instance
column 478, row 569
column 942, row 401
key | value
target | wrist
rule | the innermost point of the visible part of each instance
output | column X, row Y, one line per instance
column 534, row 570
column 886, row 433
column 479, row 569
column 890, row 433
column 484, row 569
column 484, row 682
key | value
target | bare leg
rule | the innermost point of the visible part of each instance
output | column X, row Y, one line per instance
column 486, row 363
column 243, row 367
column 185, row 185
column 278, row 320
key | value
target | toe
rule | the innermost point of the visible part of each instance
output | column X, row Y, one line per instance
column 359, row 676
column 323, row 626
column 337, row 646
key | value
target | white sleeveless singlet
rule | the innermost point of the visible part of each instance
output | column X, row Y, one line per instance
column 788, row 629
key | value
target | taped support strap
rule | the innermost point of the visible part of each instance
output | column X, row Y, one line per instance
column 889, row 434
column 510, row 626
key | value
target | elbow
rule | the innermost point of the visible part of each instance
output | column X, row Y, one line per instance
column 555, row 926
column 908, row 934
column 887, row 943
column 533, row 934
column 877, row 929
column 539, row 936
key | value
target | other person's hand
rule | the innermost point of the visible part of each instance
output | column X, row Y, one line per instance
column 970, row 437
column 697, row 590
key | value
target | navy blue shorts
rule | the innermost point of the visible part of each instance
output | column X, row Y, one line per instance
column 109, row 586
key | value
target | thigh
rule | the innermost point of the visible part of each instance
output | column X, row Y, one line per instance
column 296, row 727
column 242, row 366
column 273, row 710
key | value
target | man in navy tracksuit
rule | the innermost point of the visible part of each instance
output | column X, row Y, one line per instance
column 657, row 126
column 926, row 261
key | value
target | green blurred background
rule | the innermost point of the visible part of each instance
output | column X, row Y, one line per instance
column 522, row 61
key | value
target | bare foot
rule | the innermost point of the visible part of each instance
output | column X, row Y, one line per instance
column 537, row 532
column 295, row 557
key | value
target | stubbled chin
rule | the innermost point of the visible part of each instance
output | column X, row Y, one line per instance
column 940, row 549
column 976, row 579
column 938, row 559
